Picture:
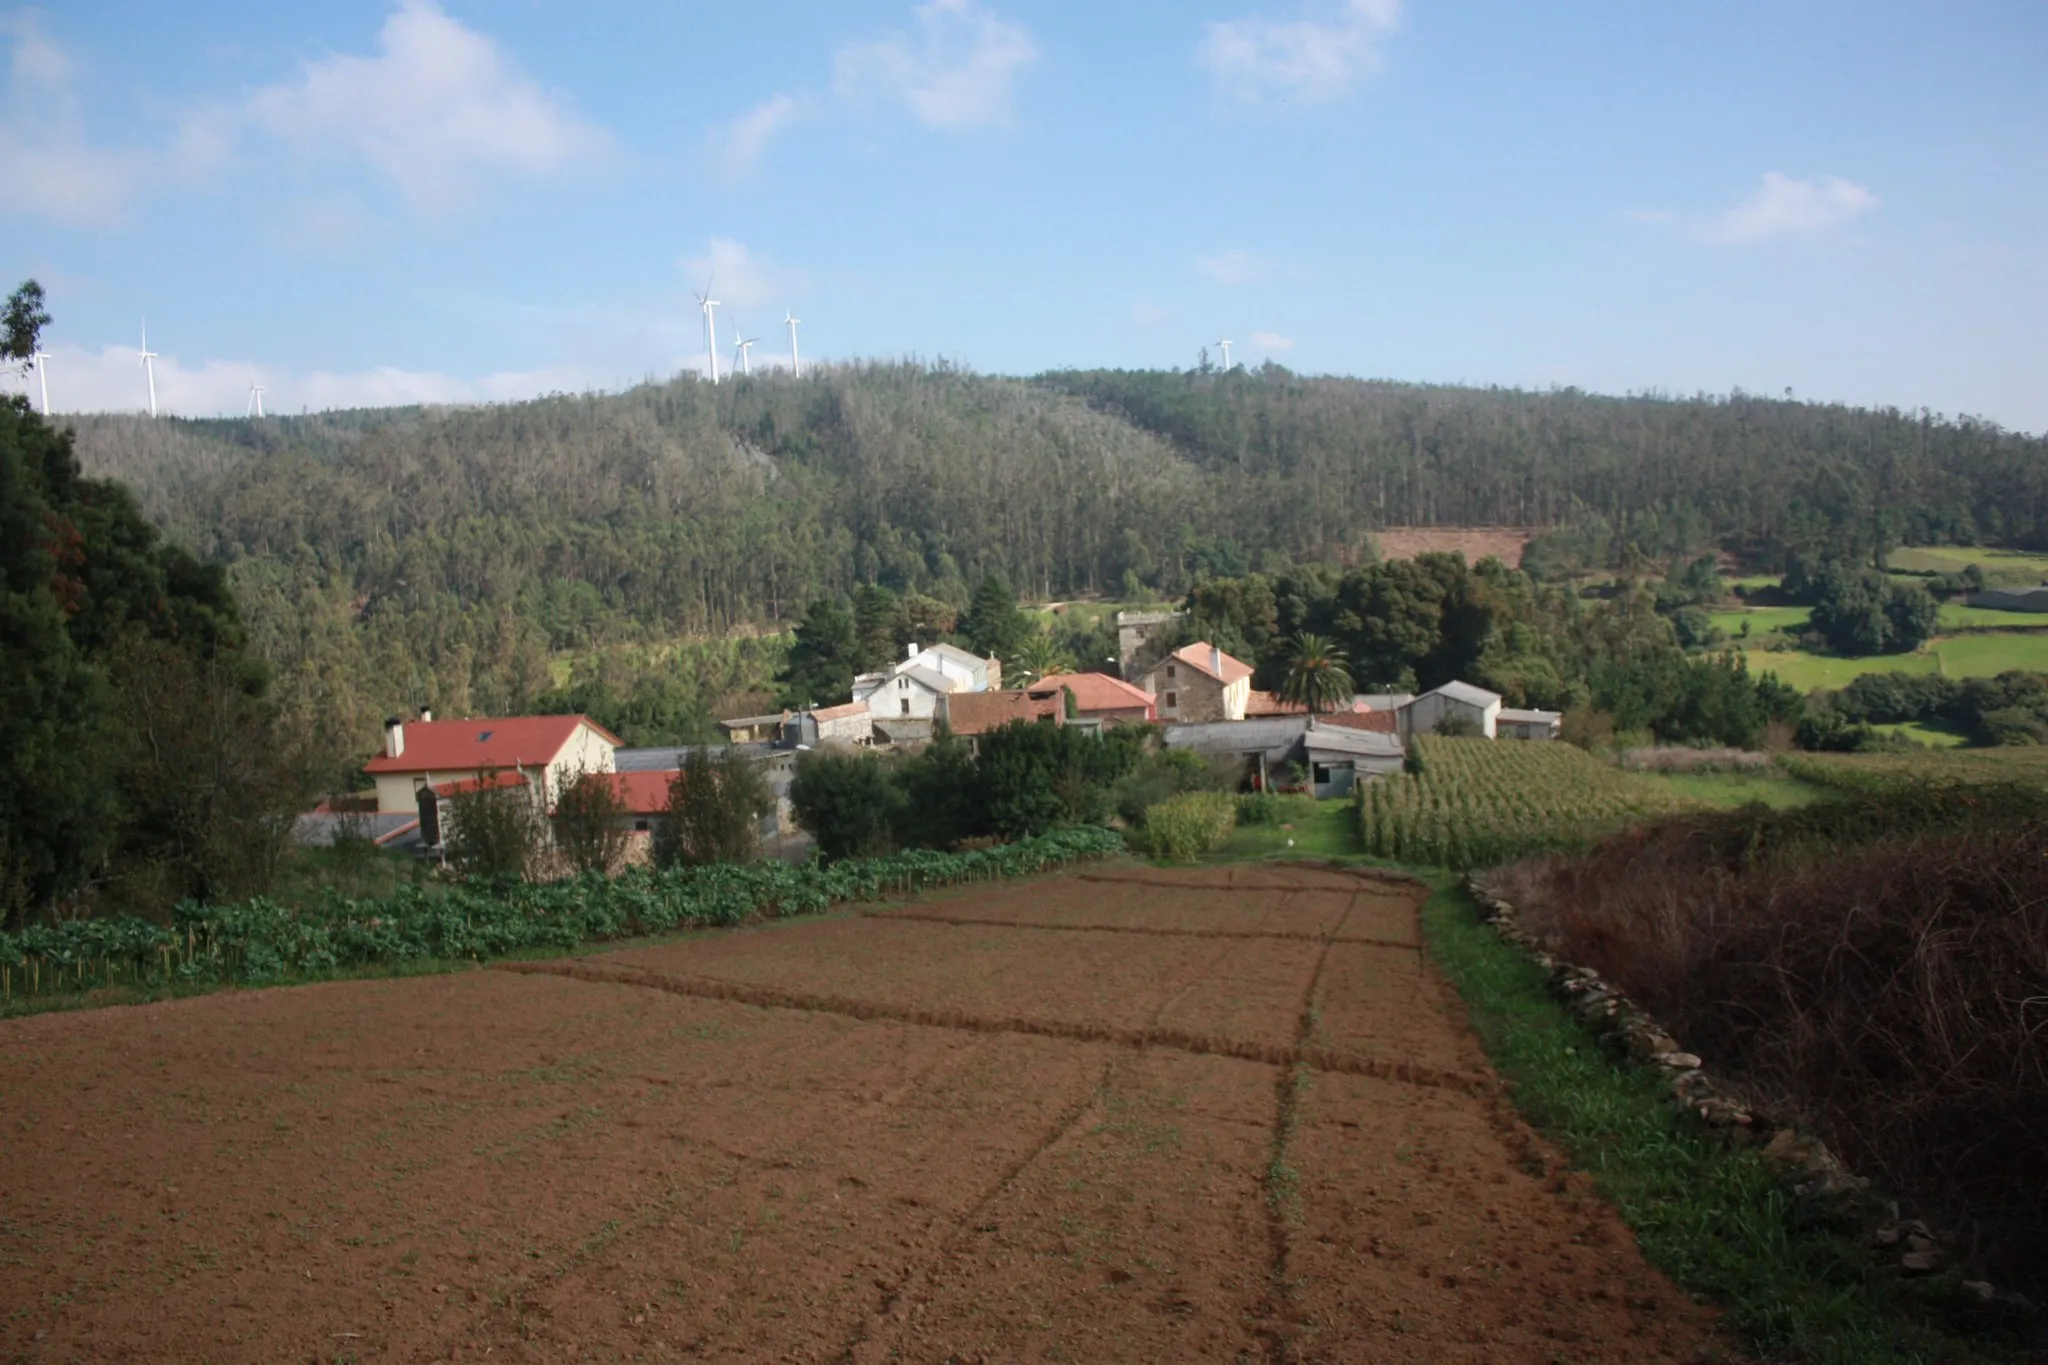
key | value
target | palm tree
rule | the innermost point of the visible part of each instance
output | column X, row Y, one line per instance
column 1318, row 676
column 1036, row 658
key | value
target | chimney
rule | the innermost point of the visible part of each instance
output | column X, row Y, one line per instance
column 394, row 738
column 426, row 715
column 910, row 651
column 1216, row 661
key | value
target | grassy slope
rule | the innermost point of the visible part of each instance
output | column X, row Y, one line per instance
column 1729, row 790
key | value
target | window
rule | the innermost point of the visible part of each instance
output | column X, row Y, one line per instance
column 906, row 706
column 1172, row 700
column 1169, row 670
column 903, row 684
column 640, row 826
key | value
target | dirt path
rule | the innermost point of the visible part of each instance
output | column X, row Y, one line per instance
column 1227, row 1114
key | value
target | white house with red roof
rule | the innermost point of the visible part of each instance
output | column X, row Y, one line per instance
column 1200, row 682
column 447, row 753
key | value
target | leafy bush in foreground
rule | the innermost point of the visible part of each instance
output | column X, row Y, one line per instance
column 1183, row 828
column 260, row 940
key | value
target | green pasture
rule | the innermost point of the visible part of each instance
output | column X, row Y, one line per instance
column 1958, row 656
column 1773, row 786
column 1760, row 619
column 1999, row 566
column 1956, row 616
column 1921, row 733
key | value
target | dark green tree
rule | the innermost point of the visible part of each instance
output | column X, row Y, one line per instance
column 1317, row 675
column 21, row 327
column 823, row 659
column 847, row 802
column 941, row 801
column 993, row 625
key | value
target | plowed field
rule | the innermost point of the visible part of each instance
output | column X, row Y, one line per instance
column 1125, row 1115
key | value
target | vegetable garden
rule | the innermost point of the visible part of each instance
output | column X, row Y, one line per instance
column 262, row 941
column 1475, row 802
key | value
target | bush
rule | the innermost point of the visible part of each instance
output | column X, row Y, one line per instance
column 490, row 831
column 588, row 823
column 1259, row 808
column 715, row 805
column 1872, row 965
column 848, row 802
column 1183, row 828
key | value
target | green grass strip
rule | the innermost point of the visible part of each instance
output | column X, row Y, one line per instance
column 1713, row 1218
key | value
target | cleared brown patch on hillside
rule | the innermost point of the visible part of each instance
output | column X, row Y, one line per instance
column 1505, row 543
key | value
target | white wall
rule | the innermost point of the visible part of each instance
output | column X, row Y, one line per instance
column 886, row 702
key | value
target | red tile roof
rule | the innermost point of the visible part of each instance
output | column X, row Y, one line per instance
column 641, row 793
column 975, row 713
column 1198, row 656
column 1375, row 722
column 1272, row 704
column 466, row 745
column 494, row 782
column 1095, row 692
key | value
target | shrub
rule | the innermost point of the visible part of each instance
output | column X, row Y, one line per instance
column 1872, row 965
column 588, row 823
column 1259, row 808
column 715, row 805
column 492, row 831
column 1183, row 828
column 847, row 802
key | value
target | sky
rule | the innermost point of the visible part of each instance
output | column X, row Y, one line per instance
column 366, row 202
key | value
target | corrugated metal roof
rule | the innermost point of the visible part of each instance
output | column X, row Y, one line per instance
column 1466, row 693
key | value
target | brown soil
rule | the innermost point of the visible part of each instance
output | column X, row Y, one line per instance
column 1220, row 1115
column 1476, row 542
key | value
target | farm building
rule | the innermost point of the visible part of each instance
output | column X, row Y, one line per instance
column 429, row 753
column 1516, row 723
column 852, row 724
column 1137, row 637
column 754, row 729
column 2012, row 599
column 973, row 714
column 1270, row 748
column 1097, row 696
column 1199, row 683
column 1458, row 700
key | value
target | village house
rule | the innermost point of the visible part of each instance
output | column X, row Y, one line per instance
column 1516, row 723
column 1097, row 696
column 912, row 688
column 1198, row 683
column 428, row 753
column 971, row 715
column 851, row 725
column 1269, row 751
column 1138, row 634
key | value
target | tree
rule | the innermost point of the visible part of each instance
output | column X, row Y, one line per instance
column 589, row 822
column 715, row 805
column 492, row 829
column 847, row 802
column 1317, row 676
column 1867, row 613
column 21, row 327
column 877, row 615
column 940, row 800
column 1036, row 657
column 994, row 626
column 822, row 661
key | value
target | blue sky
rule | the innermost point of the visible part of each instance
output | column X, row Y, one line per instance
column 379, row 202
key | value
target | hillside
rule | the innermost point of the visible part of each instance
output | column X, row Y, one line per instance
column 411, row 554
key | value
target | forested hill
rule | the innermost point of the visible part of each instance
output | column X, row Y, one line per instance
column 385, row 557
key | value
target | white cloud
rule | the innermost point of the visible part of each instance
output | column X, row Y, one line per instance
column 48, row 164
column 1785, row 206
column 437, row 106
column 1272, row 341
column 111, row 380
column 959, row 68
column 1312, row 60
column 740, row 279
column 739, row 144
column 1235, row 267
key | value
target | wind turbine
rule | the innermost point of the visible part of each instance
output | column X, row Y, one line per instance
column 707, row 303
column 41, row 360
column 745, row 350
column 255, row 397
column 796, row 364
column 147, row 368
column 1226, row 355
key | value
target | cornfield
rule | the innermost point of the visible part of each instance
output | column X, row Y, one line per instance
column 260, row 940
column 1477, row 802
column 2025, row 765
